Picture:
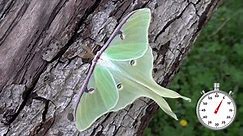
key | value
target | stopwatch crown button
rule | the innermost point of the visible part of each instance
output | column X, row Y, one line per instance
column 216, row 86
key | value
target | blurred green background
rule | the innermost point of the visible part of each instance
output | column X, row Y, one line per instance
column 217, row 56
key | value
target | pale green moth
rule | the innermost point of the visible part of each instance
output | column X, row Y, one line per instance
column 121, row 72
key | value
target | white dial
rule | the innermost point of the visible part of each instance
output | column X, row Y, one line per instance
column 216, row 109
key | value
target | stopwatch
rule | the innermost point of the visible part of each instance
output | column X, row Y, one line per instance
column 216, row 109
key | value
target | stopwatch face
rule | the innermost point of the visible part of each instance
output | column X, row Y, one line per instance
column 216, row 110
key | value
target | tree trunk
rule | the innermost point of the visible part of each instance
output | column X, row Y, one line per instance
column 41, row 71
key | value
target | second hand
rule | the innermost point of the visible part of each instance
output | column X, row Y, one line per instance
column 217, row 109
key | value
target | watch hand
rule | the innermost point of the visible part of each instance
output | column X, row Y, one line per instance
column 216, row 110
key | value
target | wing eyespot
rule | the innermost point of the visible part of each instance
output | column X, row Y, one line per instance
column 121, row 34
column 132, row 62
column 90, row 90
column 119, row 86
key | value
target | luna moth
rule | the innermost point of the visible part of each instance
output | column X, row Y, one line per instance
column 121, row 72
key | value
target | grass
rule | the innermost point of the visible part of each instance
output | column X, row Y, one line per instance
column 217, row 56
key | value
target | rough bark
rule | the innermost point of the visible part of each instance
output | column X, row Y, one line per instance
column 41, row 73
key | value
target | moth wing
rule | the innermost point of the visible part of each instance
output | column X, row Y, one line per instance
column 101, row 100
column 132, row 43
column 136, row 81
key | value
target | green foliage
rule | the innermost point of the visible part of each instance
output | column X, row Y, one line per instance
column 217, row 56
